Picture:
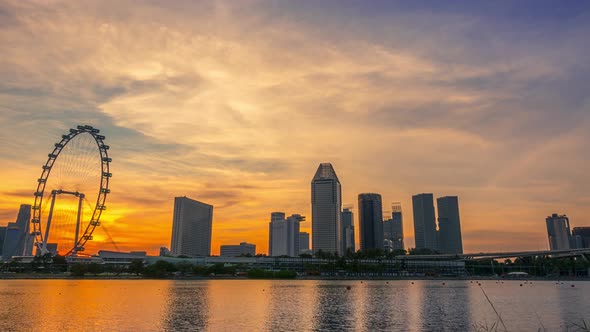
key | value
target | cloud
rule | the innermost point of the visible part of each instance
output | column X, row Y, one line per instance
column 236, row 103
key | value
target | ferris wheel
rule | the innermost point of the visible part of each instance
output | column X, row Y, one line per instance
column 71, row 192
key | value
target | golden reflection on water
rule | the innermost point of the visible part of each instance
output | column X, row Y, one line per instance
column 285, row 305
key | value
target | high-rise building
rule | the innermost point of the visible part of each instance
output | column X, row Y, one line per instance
column 284, row 234
column 326, row 204
column 17, row 238
column 12, row 238
column 581, row 237
column 393, row 229
column 2, row 235
column 303, row 242
column 558, row 232
column 424, row 221
column 347, row 230
column 449, row 225
column 234, row 250
column 164, row 252
column 371, row 221
column 191, row 228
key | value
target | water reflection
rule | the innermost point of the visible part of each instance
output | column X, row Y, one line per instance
column 187, row 306
column 289, row 306
column 334, row 308
column 446, row 306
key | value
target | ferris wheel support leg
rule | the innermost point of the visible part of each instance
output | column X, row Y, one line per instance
column 44, row 248
column 78, row 222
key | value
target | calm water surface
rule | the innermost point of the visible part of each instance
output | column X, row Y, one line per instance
column 297, row 305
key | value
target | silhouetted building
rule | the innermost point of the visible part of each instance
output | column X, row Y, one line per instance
column 232, row 250
column 449, row 225
column 164, row 252
column 558, row 232
column 370, row 221
column 581, row 237
column 17, row 238
column 284, row 234
column 393, row 229
column 326, row 205
column 191, row 228
column 303, row 242
column 2, row 236
column 424, row 221
column 347, row 235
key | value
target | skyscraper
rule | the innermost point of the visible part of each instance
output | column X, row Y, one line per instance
column 326, row 204
column 284, row 234
column 393, row 229
column 558, row 232
column 424, row 221
column 17, row 239
column 581, row 237
column 449, row 225
column 191, row 228
column 347, row 230
column 303, row 242
column 2, row 235
column 371, row 221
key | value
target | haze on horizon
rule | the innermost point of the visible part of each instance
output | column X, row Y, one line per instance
column 235, row 103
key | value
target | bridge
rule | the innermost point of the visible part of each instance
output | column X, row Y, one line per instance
column 584, row 253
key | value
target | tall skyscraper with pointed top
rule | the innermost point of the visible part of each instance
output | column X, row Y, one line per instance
column 326, row 204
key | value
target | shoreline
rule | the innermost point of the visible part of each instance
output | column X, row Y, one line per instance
column 327, row 278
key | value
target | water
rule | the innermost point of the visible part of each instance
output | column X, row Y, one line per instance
column 293, row 305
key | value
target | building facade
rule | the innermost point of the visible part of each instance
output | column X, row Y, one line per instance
column 235, row 250
column 424, row 221
column 581, row 237
column 347, row 230
column 191, row 228
column 393, row 229
column 558, row 232
column 284, row 234
column 449, row 225
column 326, row 205
column 303, row 243
column 370, row 221
column 17, row 240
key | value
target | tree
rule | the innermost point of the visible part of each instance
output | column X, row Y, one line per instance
column 136, row 266
column 159, row 269
column 78, row 270
column 94, row 268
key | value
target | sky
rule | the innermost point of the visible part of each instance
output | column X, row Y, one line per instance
column 235, row 103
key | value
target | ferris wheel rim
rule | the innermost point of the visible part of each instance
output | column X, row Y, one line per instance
column 103, row 190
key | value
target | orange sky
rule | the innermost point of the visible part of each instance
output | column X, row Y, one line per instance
column 236, row 103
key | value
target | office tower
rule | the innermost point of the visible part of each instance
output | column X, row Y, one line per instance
column 2, row 235
column 424, row 221
column 12, row 235
column 371, row 221
column 17, row 238
column 326, row 204
column 191, row 228
column 558, row 232
column 581, row 237
column 284, row 235
column 233, row 250
column 347, row 231
column 303, row 242
column 393, row 229
column 449, row 225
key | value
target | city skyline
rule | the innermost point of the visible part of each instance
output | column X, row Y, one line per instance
column 236, row 105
